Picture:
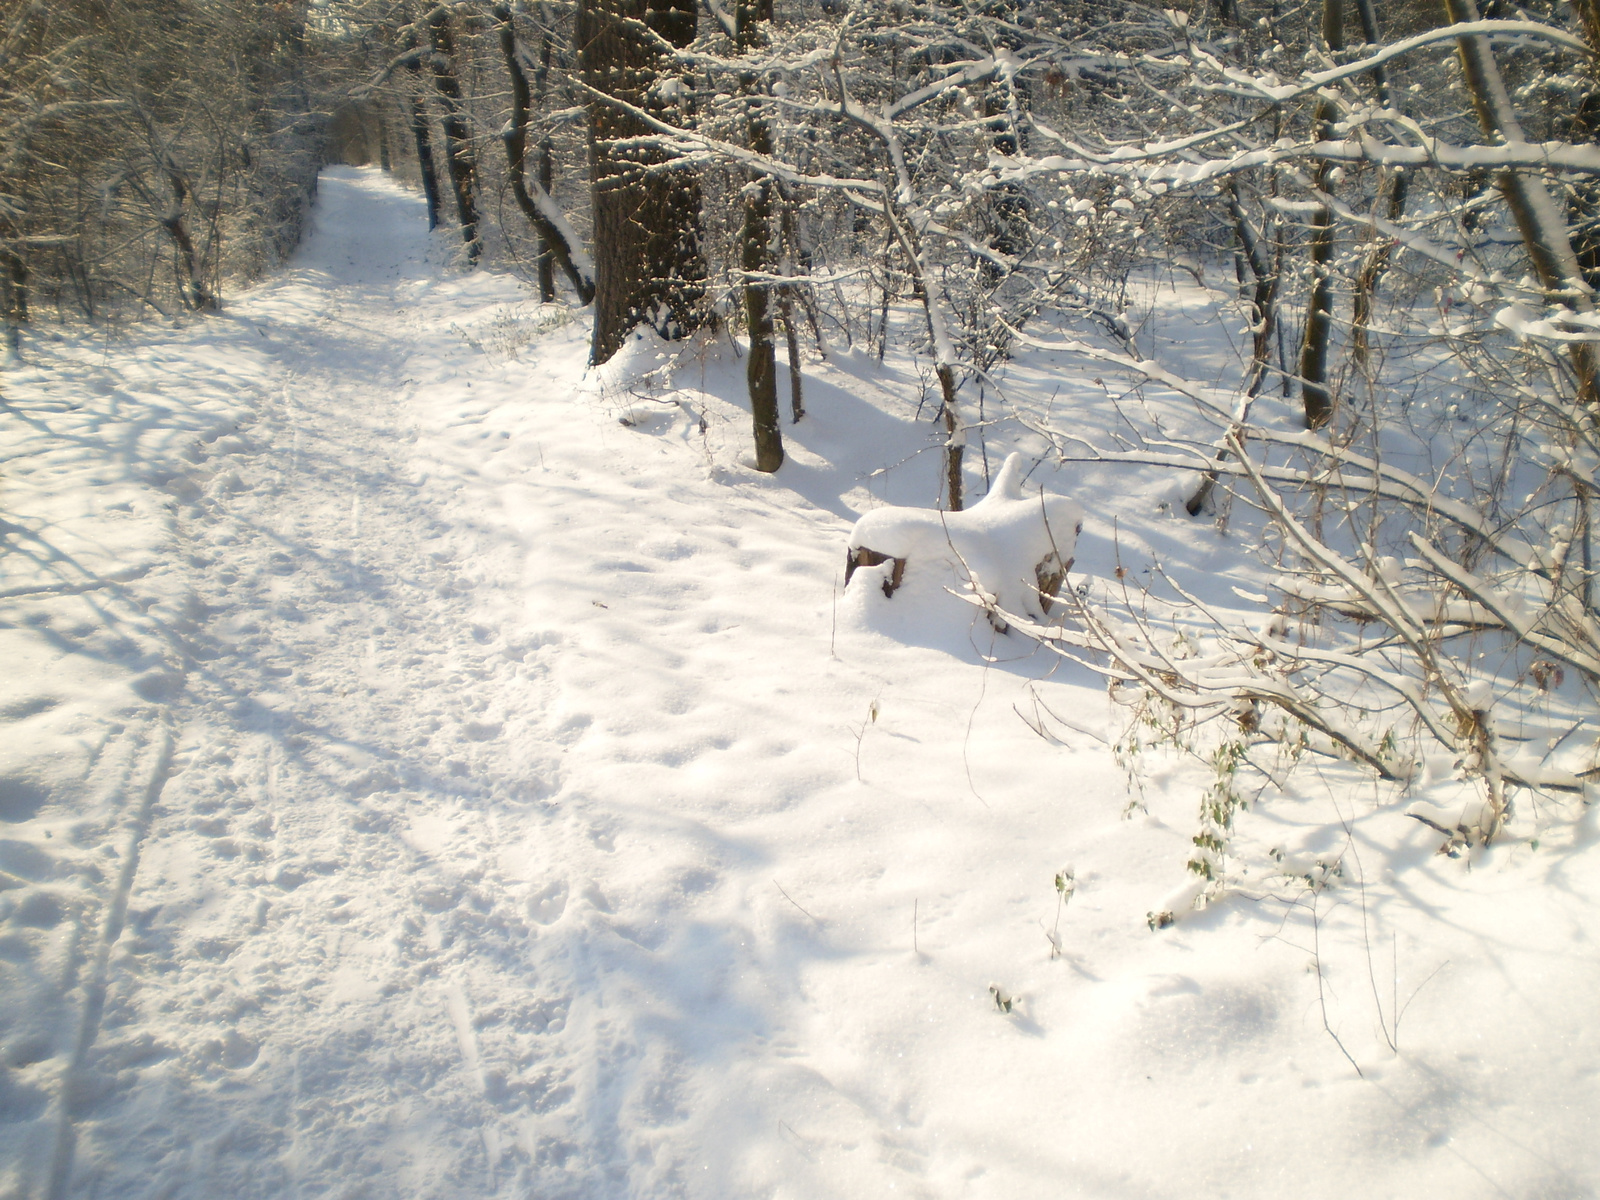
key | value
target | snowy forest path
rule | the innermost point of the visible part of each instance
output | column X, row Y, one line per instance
column 463, row 878
column 294, row 889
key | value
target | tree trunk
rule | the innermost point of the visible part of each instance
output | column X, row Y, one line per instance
column 797, row 407
column 546, row 168
column 425, row 164
column 1263, row 322
column 796, row 254
column 761, row 369
column 755, row 256
column 901, row 231
column 1314, row 394
column 1375, row 266
column 195, row 293
column 15, row 293
column 649, row 266
column 955, row 433
column 1393, row 191
column 1539, row 221
column 458, row 141
column 552, row 238
column 1584, row 126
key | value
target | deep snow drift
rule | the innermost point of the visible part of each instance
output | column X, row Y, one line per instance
column 417, row 782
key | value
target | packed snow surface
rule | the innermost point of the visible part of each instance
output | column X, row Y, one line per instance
column 429, row 769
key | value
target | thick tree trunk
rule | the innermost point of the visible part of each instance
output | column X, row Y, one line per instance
column 1584, row 126
column 553, row 241
column 649, row 266
column 459, row 158
column 761, row 366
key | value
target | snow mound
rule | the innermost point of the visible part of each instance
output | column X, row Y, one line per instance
column 643, row 367
column 1013, row 550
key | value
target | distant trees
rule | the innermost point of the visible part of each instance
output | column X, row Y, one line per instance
column 149, row 152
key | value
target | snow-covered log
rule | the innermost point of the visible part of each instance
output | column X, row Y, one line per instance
column 1011, row 548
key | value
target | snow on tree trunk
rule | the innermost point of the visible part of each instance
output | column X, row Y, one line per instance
column 1009, row 550
column 1314, row 393
column 556, row 239
column 1539, row 220
column 418, row 108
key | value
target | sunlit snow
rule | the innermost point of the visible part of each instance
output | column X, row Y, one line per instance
column 430, row 769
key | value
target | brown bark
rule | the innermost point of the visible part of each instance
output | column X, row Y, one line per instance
column 1266, row 267
column 14, row 289
column 424, row 140
column 1376, row 265
column 1315, row 395
column 755, row 256
column 761, row 371
column 954, row 450
column 546, row 169
column 649, row 267
column 797, row 408
column 1547, row 243
column 1393, row 193
column 195, row 293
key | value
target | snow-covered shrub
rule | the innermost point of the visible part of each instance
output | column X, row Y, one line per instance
column 1426, row 507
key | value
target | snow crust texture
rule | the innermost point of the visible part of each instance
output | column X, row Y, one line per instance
column 430, row 770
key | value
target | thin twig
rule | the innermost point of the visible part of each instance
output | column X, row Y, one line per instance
column 796, row 903
column 1322, row 1002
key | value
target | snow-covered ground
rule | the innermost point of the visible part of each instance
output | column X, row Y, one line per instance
column 416, row 781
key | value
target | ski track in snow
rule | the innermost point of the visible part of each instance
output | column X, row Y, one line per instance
column 426, row 786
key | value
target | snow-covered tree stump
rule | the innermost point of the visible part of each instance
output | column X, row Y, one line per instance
column 1011, row 549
